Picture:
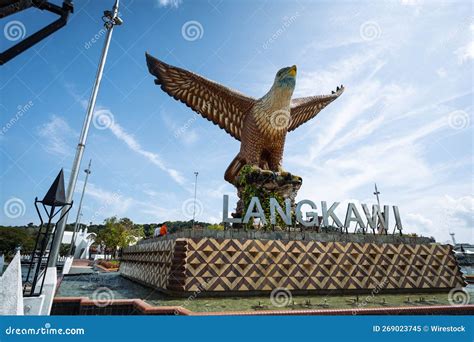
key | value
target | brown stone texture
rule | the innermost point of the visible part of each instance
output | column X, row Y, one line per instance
column 207, row 265
column 149, row 263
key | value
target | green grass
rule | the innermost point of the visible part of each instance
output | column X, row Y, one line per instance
column 304, row 302
column 122, row 288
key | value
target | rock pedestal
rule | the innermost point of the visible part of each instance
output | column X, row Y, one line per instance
column 265, row 184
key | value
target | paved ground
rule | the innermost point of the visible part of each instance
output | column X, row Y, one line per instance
column 80, row 270
column 81, row 266
column 81, row 263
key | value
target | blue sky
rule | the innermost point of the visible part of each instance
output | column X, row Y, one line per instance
column 404, row 121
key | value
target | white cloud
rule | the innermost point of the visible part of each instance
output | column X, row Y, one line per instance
column 410, row 2
column 343, row 71
column 389, row 126
column 169, row 3
column 441, row 72
column 135, row 146
column 106, row 203
column 383, row 132
column 447, row 214
column 151, row 193
column 465, row 53
column 182, row 131
column 71, row 89
column 461, row 210
column 190, row 137
column 354, row 106
column 418, row 221
column 54, row 136
column 157, row 213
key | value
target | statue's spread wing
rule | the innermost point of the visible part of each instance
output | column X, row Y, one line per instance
column 225, row 107
column 305, row 108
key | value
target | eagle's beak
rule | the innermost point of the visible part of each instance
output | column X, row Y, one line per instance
column 292, row 71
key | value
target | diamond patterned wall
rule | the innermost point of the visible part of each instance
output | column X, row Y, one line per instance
column 217, row 265
column 149, row 263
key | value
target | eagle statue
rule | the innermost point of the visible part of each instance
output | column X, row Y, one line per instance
column 260, row 124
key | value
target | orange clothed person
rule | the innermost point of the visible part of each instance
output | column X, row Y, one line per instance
column 163, row 230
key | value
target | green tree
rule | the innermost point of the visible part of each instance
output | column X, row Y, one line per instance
column 216, row 227
column 119, row 233
column 12, row 237
column 64, row 249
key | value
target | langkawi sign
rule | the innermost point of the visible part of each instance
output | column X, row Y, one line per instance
column 373, row 219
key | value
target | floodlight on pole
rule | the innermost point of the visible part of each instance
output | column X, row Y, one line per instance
column 111, row 19
column 377, row 193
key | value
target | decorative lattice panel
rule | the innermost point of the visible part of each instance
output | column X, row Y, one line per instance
column 149, row 263
column 216, row 265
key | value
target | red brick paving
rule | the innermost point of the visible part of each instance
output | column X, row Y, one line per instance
column 81, row 262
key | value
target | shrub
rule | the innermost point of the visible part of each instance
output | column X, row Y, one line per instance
column 109, row 263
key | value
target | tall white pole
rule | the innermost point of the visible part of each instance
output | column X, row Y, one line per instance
column 79, row 210
column 112, row 19
column 195, row 191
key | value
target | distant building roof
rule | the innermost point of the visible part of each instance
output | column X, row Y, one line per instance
column 67, row 237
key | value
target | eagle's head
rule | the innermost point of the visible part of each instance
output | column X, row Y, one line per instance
column 286, row 77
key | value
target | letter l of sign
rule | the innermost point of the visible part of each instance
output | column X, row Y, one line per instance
column 225, row 212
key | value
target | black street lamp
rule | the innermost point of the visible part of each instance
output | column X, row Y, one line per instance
column 53, row 202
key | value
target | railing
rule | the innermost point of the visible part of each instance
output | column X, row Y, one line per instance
column 27, row 258
column 291, row 235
